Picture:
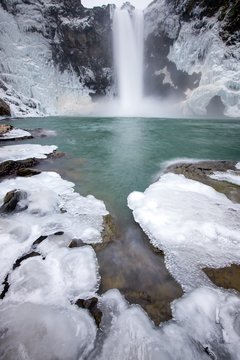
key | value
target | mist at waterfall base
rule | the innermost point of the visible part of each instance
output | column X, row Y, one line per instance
column 128, row 49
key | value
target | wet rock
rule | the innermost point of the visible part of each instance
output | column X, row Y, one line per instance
column 56, row 154
column 110, row 232
column 227, row 277
column 4, row 128
column 4, row 108
column 11, row 167
column 200, row 171
column 11, row 201
column 91, row 306
column 27, row 172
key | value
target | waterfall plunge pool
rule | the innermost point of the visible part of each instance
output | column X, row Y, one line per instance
column 110, row 158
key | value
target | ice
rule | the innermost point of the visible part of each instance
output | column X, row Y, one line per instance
column 192, row 223
column 229, row 176
column 205, row 325
column 16, row 239
column 26, row 151
column 33, row 331
column 198, row 48
column 51, row 206
column 14, row 134
column 64, row 276
column 36, row 85
column 203, row 51
column 38, row 315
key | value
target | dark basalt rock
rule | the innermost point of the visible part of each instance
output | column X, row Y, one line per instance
column 27, row 172
column 4, row 109
column 11, row 167
column 91, row 306
column 83, row 43
column 11, row 201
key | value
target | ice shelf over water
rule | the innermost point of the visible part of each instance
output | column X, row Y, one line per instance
column 192, row 223
column 15, row 134
column 25, row 151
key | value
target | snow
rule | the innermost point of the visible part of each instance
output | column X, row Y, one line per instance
column 14, row 134
column 229, row 176
column 192, row 223
column 25, row 151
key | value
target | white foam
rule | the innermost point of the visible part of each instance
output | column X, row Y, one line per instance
column 229, row 176
column 192, row 223
column 25, row 151
column 238, row 166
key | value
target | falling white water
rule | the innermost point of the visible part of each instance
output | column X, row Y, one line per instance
column 128, row 57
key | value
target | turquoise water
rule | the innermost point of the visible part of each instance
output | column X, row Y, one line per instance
column 110, row 158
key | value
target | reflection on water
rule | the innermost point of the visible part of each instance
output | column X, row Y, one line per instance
column 110, row 158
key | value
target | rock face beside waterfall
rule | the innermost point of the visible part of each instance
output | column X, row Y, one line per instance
column 192, row 53
column 53, row 54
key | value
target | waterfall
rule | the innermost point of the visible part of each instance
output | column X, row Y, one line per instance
column 128, row 58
